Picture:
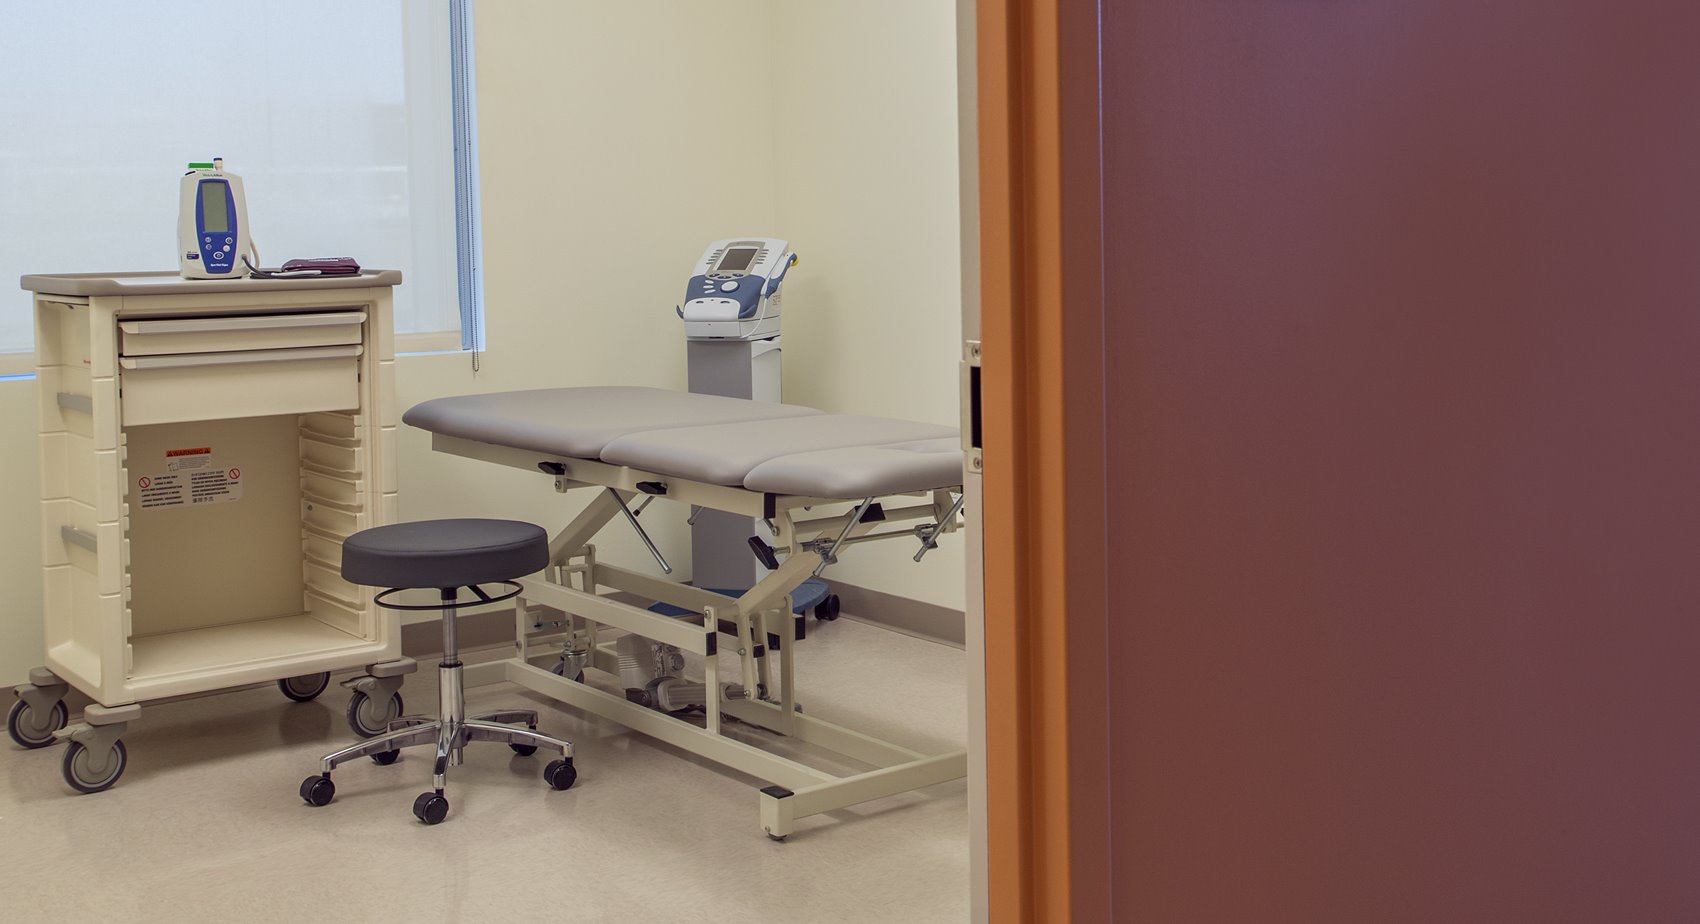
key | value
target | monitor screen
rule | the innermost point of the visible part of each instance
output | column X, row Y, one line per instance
column 736, row 260
column 215, row 199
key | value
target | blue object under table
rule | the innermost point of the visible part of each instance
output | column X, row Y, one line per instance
column 812, row 594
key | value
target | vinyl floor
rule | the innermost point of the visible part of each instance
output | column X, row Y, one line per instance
column 206, row 824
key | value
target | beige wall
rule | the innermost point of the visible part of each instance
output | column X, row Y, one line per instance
column 594, row 122
column 607, row 165
column 867, row 193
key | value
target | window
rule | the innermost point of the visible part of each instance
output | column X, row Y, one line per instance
column 336, row 115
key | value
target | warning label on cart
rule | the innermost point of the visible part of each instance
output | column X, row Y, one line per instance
column 191, row 477
column 178, row 460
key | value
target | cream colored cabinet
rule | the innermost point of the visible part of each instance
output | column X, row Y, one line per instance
column 205, row 448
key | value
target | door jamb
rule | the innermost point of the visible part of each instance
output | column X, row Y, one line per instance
column 1042, row 309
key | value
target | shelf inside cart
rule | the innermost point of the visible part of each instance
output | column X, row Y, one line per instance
column 218, row 656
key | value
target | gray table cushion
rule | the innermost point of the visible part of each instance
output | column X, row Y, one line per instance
column 579, row 422
column 862, row 471
column 444, row 553
column 727, row 453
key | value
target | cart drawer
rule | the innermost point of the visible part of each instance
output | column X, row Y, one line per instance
column 230, row 333
column 253, row 383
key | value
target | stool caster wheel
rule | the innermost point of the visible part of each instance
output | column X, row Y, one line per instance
column 367, row 719
column 560, row 773
column 525, row 750
column 385, row 758
column 305, row 688
column 318, row 790
column 30, row 729
column 431, row 807
column 84, row 776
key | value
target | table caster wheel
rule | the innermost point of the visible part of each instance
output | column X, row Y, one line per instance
column 559, row 669
column 31, row 729
column 305, row 688
column 827, row 611
column 366, row 718
column 385, row 758
column 88, row 773
column 431, row 807
column 318, row 790
column 560, row 773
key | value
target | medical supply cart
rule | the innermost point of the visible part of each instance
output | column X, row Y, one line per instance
column 205, row 447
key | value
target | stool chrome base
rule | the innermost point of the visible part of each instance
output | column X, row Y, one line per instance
column 450, row 733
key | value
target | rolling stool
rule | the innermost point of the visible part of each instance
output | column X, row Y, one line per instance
column 447, row 555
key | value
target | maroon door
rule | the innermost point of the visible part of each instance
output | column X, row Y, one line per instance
column 1404, row 299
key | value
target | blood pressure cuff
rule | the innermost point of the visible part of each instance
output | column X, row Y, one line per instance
column 327, row 266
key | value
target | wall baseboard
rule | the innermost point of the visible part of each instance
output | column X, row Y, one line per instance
column 911, row 617
column 475, row 630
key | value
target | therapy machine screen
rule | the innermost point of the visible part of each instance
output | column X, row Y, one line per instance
column 736, row 260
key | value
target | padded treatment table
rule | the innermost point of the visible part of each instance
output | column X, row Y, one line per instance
column 760, row 446
column 773, row 461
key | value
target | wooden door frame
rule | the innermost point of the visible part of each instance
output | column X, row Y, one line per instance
column 1042, row 310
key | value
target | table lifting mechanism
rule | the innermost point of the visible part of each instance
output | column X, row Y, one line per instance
column 653, row 672
column 650, row 660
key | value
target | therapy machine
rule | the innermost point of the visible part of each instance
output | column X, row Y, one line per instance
column 212, row 224
column 732, row 349
column 781, row 463
column 734, row 291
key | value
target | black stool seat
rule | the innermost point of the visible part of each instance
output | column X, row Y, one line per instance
column 444, row 553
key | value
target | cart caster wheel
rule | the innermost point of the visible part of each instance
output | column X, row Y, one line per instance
column 367, row 719
column 827, row 610
column 305, row 688
column 81, row 773
column 778, row 838
column 385, row 758
column 30, row 729
column 431, row 807
column 560, row 773
column 318, row 790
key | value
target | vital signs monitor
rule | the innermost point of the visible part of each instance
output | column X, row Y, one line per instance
column 212, row 224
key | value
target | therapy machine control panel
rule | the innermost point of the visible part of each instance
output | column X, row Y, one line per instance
column 212, row 223
column 734, row 291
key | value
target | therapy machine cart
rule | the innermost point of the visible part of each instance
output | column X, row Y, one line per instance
column 205, row 448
